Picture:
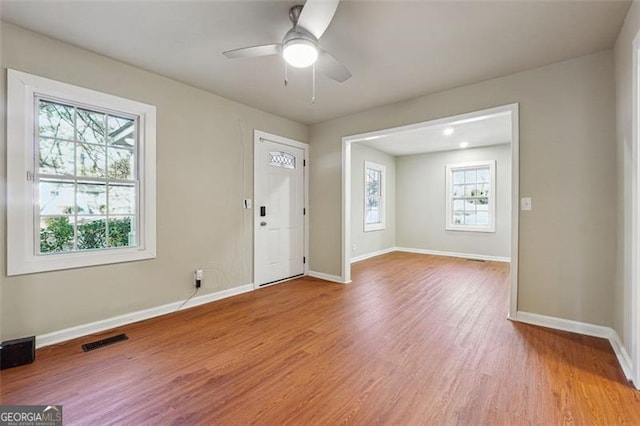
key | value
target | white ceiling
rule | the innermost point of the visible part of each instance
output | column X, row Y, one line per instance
column 394, row 49
column 494, row 129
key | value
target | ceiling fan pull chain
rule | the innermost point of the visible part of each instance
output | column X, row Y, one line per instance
column 313, row 95
column 286, row 79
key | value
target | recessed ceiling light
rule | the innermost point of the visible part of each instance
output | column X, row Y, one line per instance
column 448, row 131
column 464, row 144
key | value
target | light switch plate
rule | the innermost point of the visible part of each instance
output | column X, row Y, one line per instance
column 525, row 204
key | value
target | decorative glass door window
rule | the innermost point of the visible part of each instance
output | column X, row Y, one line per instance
column 471, row 196
column 374, row 179
column 86, row 178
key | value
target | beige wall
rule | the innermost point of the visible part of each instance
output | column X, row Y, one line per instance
column 421, row 207
column 624, row 93
column 368, row 242
column 203, row 141
column 568, row 166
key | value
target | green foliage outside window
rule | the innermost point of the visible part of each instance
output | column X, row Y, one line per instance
column 57, row 235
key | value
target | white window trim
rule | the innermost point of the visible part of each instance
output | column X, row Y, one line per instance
column 450, row 168
column 380, row 225
column 21, row 253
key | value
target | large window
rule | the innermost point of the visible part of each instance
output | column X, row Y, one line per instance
column 471, row 196
column 81, row 176
column 374, row 179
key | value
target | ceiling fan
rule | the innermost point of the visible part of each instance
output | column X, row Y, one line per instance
column 299, row 46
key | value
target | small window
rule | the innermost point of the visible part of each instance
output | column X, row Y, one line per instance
column 374, row 181
column 471, row 196
column 282, row 159
column 81, row 176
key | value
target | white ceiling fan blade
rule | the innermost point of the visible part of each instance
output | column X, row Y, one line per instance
column 332, row 68
column 254, row 51
column 316, row 16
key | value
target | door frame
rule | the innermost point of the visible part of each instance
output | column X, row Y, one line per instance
column 633, row 271
column 513, row 109
column 261, row 135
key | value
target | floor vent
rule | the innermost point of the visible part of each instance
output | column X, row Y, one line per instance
column 104, row 342
column 475, row 260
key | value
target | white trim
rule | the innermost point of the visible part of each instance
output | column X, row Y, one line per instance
column 581, row 328
column 373, row 254
column 21, row 253
column 634, row 272
column 515, row 206
column 623, row 356
column 513, row 110
column 121, row 320
column 382, row 205
column 257, row 136
column 449, row 170
column 327, row 277
column 563, row 324
column 454, row 254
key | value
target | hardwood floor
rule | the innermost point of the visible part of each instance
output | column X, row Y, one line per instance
column 415, row 339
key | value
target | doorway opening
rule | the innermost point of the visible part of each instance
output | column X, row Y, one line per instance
column 463, row 207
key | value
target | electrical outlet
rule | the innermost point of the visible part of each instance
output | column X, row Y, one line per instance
column 198, row 277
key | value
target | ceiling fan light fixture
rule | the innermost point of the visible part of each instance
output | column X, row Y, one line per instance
column 300, row 53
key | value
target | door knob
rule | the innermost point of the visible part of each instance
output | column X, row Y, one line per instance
column 263, row 223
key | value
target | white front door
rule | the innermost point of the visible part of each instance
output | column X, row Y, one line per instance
column 278, row 211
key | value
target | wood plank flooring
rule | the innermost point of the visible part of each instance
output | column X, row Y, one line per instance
column 415, row 339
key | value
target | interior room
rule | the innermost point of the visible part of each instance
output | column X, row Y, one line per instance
column 320, row 212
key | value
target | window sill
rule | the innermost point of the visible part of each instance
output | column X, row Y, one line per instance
column 470, row 228
column 374, row 227
column 57, row 262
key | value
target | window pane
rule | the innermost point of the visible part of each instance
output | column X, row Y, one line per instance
column 458, row 218
column 56, row 234
column 91, row 126
column 373, row 182
column 121, row 131
column 482, row 190
column 122, row 199
column 92, row 198
column 91, row 160
column 469, row 218
column 56, row 157
column 121, row 164
column 483, row 175
column 122, row 232
column 55, row 120
column 482, row 218
column 482, row 204
column 56, row 197
column 458, row 190
column 458, row 177
column 458, row 204
column 470, row 176
column 372, row 215
column 470, row 204
column 92, row 233
column 469, row 190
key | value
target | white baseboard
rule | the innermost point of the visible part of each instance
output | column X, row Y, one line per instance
column 373, row 254
column 623, row 357
column 582, row 328
column 326, row 277
column 454, row 254
column 120, row 320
